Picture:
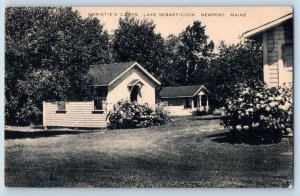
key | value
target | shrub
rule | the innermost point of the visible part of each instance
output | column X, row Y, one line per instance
column 203, row 111
column 126, row 114
column 161, row 115
column 260, row 112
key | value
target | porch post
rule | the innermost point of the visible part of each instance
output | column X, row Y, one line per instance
column 207, row 102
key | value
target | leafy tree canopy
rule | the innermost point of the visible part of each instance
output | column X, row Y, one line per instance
column 136, row 40
column 236, row 63
column 188, row 55
column 48, row 53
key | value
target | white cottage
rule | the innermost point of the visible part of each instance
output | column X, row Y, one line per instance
column 183, row 100
column 278, row 57
column 113, row 82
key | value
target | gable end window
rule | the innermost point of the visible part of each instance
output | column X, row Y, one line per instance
column 135, row 90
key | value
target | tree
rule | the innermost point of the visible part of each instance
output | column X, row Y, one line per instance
column 136, row 40
column 170, row 71
column 189, row 54
column 239, row 62
column 48, row 52
column 236, row 63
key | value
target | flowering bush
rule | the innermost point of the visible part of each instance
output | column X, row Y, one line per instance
column 260, row 112
column 126, row 114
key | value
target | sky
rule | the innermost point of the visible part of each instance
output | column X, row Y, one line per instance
column 219, row 21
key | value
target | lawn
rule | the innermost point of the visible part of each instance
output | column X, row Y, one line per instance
column 187, row 152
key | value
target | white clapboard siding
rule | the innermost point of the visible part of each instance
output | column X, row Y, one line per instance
column 119, row 89
column 78, row 114
column 275, row 74
column 178, row 111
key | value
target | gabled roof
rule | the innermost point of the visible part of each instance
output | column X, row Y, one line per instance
column 106, row 74
column 262, row 28
column 181, row 91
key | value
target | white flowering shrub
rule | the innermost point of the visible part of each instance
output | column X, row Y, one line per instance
column 260, row 112
column 126, row 114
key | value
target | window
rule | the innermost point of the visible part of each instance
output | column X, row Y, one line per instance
column 98, row 104
column 61, row 107
column 100, row 97
column 287, row 55
column 187, row 103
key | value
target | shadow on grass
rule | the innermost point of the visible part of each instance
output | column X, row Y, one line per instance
column 206, row 117
column 149, row 164
column 232, row 138
column 38, row 134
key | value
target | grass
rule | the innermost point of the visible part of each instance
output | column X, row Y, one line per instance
column 184, row 153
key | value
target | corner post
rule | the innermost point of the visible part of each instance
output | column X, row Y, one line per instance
column 44, row 116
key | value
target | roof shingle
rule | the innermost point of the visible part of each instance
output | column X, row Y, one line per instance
column 105, row 73
column 179, row 91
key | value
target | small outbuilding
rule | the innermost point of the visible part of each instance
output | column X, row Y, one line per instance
column 278, row 49
column 113, row 82
column 183, row 100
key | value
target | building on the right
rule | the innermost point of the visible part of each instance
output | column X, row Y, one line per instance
column 278, row 55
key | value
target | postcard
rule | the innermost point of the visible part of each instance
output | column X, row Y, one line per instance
column 149, row 97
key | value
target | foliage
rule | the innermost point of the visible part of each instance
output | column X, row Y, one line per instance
column 128, row 114
column 162, row 115
column 199, row 112
column 47, row 55
column 259, row 112
column 235, row 63
column 48, row 52
column 238, row 62
column 179, row 60
column 188, row 56
column 136, row 40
